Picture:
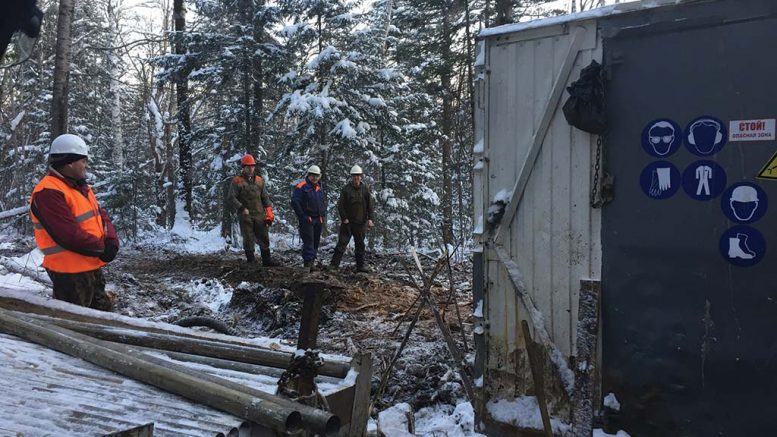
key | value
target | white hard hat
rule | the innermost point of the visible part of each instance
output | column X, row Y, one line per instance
column 356, row 170
column 313, row 169
column 69, row 143
column 744, row 193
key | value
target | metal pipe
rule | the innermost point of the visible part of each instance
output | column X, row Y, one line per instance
column 189, row 345
column 279, row 418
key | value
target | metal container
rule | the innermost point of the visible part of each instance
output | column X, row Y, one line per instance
column 688, row 327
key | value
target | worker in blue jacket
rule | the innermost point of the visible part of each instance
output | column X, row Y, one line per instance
column 308, row 202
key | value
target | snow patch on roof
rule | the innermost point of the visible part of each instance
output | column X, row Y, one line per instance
column 604, row 11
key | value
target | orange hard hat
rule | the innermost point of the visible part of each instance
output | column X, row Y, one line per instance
column 247, row 159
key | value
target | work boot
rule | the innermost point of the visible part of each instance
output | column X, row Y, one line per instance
column 360, row 267
column 308, row 266
column 250, row 258
column 335, row 263
column 267, row 261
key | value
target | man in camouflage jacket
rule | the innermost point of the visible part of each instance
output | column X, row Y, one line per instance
column 248, row 197
column 357, row 210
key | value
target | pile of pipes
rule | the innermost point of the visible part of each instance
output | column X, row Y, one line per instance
column 133, row 351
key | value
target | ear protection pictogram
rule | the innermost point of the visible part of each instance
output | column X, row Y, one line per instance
column 705, row 122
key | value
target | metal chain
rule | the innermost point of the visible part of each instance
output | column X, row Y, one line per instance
column 595, row 201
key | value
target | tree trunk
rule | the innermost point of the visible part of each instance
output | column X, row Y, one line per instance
column 168, row 177
column 246, row 16
column 257, row 142
column 62, row 68
column 182, row 97
column 226, row 211
column 117, row 155
column 447, row 130
column 504, row 12
column 389, row 13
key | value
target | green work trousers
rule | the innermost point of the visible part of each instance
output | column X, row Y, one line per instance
column 358, row 232
column 254, row 231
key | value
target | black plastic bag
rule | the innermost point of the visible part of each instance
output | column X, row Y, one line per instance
column 585, row 107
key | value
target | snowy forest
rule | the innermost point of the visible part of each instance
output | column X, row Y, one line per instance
column 170, row 94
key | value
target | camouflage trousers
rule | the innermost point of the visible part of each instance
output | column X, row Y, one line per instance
column 254, row 231
column 86, row 289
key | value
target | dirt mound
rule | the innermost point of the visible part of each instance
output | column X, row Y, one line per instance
column 361, row 311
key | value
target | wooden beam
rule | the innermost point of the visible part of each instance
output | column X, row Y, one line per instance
column 575, row 41
column 360, row 413
column 312, row 299
column 535, row 363
column 536, row 318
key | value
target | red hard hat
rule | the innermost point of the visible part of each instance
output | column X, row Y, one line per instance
column 247, row 159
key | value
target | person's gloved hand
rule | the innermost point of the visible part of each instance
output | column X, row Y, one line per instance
column 269, row 217
column 309, row 219
column 110, row 251
column 321, row 219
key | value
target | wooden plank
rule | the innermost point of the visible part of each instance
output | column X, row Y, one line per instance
column 360, row 412
column 580, row 213
column 539, row 136
column 540, row 185
column 560, row 151
column 587, row 340
column 535, row 362
column 340, row 403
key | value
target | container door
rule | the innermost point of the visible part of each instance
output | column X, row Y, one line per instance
column 690, row 241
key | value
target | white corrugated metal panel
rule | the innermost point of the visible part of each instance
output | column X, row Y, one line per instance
column 554, row 237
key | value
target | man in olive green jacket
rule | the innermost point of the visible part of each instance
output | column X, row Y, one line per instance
column 357, row 210
column 248, row 196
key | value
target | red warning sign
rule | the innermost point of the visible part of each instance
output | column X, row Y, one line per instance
column 752, row 130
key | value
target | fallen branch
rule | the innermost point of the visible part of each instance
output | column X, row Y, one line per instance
column 30, row 272
column 451, row 294
column 14, row 212
column 398, row 352
column 365, row 306
column 458, row 358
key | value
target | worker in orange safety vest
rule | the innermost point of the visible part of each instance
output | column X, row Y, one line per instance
column 74, row 233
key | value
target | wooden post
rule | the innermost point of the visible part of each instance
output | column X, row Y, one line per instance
column 360, row 413
column 587, row 339
column 312, row 297
column 535, row 362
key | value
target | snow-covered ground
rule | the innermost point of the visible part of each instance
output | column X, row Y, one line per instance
column 451, row 417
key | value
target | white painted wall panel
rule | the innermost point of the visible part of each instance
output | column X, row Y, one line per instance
column 554, row 237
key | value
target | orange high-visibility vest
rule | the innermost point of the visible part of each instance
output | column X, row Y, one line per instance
column 86, row 212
